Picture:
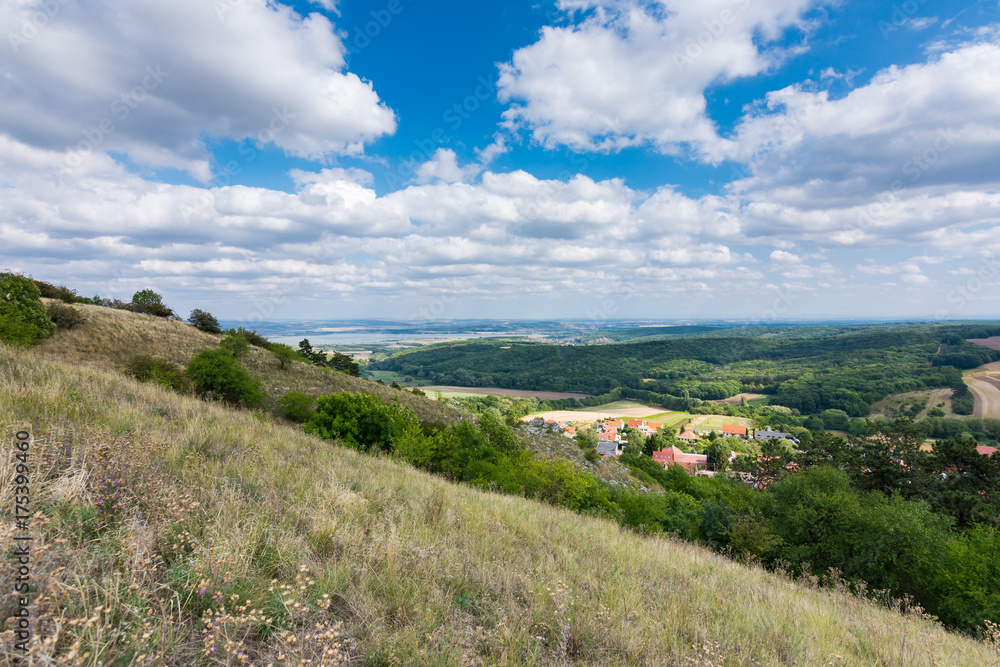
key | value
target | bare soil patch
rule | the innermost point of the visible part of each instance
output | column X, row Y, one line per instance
column 986, row 389
column 495, row 391
column 738, row 399
column 993, row 342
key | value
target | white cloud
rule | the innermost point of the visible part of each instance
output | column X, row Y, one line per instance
column 152, row 79
column 634, row 73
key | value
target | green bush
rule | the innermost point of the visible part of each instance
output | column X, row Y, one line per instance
column 297, row 406
column 23, row 318
column 236, row 345
column 361, row 421
column 204, row 321
column 149, row 302
column 218, row 375
column 62, row 293
column 65, row 317
column 284, row 353
column 158, row 371
column 252, row 337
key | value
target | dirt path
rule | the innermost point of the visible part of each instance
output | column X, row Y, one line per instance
column 986, row 389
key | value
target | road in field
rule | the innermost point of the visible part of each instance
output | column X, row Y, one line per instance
column 495, row 391
column 987, row 392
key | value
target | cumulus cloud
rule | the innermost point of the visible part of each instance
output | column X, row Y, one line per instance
column 634, row 73
column 153, row 79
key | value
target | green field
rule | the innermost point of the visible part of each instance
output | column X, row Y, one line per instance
column 715, row 423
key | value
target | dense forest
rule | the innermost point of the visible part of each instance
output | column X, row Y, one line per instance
column 847, row 371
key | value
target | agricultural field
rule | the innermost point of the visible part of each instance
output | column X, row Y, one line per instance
column 614, row 410
column 984, row 383
column 451, row 391
column 715, row 422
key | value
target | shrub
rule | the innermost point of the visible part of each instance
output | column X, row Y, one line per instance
column 360, row 421
column 23, row 319
column 235, row 345
column 158, row 371
column 297, row 406
column 62, row 293
column 149, row 302
column 251, row 337
column 592, row 455
column 65, row 317
column 284, row 353
column 218, row 375
column 204, row 321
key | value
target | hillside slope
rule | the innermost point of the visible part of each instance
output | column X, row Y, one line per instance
column 200, row 559
column 110, row 337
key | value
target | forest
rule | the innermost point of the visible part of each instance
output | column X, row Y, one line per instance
column 846, row 370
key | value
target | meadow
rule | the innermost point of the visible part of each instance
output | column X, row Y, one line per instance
column 240, row 540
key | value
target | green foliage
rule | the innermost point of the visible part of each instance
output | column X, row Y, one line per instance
column 158, row 371
column 149, row 302
column 360, row 420
column 235, row 345
column 65, row 317
column 335, row 360
column 297, row 406
column 284, row 353
column 251, row 336
column 718, row 455
column 23, row 319
column 826, row 368
column 586, row 439
column 217, row 374
column 204, row 321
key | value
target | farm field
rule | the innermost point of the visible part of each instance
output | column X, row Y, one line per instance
column 738, row 399
column 993, row 342
column 450, row 391
column 715, row 422
column 984, row 383
column 590, row 415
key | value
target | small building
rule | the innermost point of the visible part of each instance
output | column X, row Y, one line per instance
column 986, row 450
column 635, row 423
column 569, row 431
column 691, row 463
column 608, row 449
column 608, row 437
column 688, row 436
column 768, row 434
column 616, row 423
column 734, row 430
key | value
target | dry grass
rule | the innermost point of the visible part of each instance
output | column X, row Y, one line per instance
column 110, row 337
column 220, row 512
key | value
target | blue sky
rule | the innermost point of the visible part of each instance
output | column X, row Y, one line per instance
column 751, row 159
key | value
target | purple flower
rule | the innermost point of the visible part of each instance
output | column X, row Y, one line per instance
column 201, row 592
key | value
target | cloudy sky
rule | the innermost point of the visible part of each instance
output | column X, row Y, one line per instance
column 411, row 159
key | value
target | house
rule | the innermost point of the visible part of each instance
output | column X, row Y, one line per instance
column 608, row 437
column 654, row 426
column 608, row 449
column 691, row 463
column 688, row 436
column 635, row 423
column 734, row 429
column 986, row 450
column 569, row 431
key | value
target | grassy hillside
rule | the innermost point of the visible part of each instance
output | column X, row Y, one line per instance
column 110, row 337
column 237, row 540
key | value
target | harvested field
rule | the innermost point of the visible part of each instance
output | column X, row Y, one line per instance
column 987, row 392
column 613, row 410
column 738, row 398
column 993, row 343
column 495, row 391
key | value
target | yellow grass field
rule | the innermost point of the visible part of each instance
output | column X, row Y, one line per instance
column 496, row 391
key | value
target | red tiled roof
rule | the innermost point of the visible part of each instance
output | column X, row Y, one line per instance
column 986, row 451
column 734, row 429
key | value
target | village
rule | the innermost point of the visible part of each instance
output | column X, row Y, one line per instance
column 613, row 434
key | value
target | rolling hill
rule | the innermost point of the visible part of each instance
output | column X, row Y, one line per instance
column 172, row 531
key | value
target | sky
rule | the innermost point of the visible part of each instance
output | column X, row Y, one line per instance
column 756, row 160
